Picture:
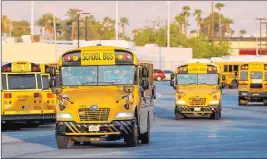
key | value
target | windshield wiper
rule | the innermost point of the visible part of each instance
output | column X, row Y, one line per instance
column 117, row 101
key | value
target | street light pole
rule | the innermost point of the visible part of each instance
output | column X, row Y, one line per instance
column 168, row 33
column 260, row 19
column 86, row 20
column 32, row 21
column 117, row 20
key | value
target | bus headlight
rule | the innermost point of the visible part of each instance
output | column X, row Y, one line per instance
column 180, row 102
column 214, row 102
column 64, row 116
column 125, row 115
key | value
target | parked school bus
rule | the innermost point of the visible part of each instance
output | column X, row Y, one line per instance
column 230, row 67
column 253, row 82
column 49, row 99
column 198, row 90
column 21, row 93
column 105, row 93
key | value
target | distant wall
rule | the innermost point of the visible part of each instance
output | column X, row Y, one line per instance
column 35, row 52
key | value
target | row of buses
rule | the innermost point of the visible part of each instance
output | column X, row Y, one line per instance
column 26, row 96
column 198, row 85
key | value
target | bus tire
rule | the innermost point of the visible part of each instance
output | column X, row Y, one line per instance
column 233, row 84
column 178, row 116
column 132, row 139
column 62, row 142
column 145, row 138
column 159, row 78
column 216, row 115
column 76, row 142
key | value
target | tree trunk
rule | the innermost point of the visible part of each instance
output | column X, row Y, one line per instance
column 123, row 31
column 72, row 31
column 220, row 29
column 185, row 26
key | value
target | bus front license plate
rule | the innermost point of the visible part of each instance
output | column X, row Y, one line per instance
column 94, row 128
column 197, row 109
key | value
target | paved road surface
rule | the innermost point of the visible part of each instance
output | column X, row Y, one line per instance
column 242, row 132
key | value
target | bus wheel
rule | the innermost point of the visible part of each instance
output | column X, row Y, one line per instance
column 87, row 143
column 178, row 116
column 146, row 137
column 132, row 140
column 76, row 142
column 62, row 142
column 158, row 78
column 234, row 84
column 216, row 115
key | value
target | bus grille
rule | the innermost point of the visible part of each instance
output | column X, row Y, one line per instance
column 193, row 101
column 101, row 114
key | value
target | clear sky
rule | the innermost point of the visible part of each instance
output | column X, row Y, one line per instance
column 242, row 12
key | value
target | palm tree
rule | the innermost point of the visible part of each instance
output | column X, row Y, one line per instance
column 180, row 20
column 46, row 21
column 232, row 32
column 186, row 13
column 228, row 23
column 219, row 6
column 72, row 14
column 123, row 22
column 242, row 32
column 198, row 13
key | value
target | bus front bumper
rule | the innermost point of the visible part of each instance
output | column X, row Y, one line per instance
column 28, row 117
column 72, row 128
column 197, row 109
column 253, row 95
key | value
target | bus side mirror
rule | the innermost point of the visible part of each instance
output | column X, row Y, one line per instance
column 52, row 71
column 145, row 84
column 56, row 90
column 172, row 76
column 172, row 83
column 222, row 85
column 128, row 89
column 223, row 77
column 144, row 72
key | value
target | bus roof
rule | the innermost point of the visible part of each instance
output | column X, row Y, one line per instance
column 115, row 43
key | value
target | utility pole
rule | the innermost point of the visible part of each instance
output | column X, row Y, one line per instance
column 266, row 37
column 260, row 19
column 32, row 21
column 86, row 27
column 168, row 33
column 117, row 20
column 212, row 24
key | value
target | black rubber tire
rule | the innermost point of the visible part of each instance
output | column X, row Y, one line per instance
column 133, row 139
column 87, row 142
column 178, row 116
column 62, row 142
column 145, row 138
column 76, row 143
column 234, row 84
column 158, row 78
column 216, row 115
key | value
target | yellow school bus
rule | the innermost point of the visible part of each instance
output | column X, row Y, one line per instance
column 105, row 93
column 49, row 99
column 253, row 82
column 21, row 93
column 230, row 67
column 198, row 92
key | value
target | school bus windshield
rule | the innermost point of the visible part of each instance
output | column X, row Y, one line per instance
column 98, row 75
column 21, row 81
column 197, row 79
column 256, row 75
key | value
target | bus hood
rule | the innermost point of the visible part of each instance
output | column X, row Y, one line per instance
column 197, row 91
column 93, row 96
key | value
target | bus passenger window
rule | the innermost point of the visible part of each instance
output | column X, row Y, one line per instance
column 230, row 68
column 4, row 87
column 244, row 76
column 265, row 76
column 39, row 82
column 225, row 68
column 235, row 67
column 45, row 82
